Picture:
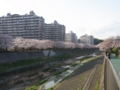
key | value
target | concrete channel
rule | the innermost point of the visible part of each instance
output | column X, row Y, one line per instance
column 54, row 80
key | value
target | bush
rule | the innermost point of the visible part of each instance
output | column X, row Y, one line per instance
column 74, row 64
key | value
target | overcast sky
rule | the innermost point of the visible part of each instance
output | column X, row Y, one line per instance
column 100, row 18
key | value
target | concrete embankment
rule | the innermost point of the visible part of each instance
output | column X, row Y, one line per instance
column 16, row 56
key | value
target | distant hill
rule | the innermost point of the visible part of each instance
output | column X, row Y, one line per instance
column 97, row 41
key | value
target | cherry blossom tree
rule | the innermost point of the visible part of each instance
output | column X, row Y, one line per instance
column 22, row 44
column 109, row 43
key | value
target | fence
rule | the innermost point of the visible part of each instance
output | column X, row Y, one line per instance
column 111, row 77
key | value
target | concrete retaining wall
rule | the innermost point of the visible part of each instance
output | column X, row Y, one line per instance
column 16, row 56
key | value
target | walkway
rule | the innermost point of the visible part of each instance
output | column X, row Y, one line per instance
column 116, row 63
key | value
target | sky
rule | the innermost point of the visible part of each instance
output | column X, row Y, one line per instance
column 100, row 18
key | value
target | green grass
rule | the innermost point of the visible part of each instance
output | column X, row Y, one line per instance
column 59, row 72
column 50, row 89
column 35, row 87
column 82, row 59
column 74, row 64
column 98, row 82
column 97, row 85
column 92, row 58
column 4, row 67
column 83, row 78
column 80, row 88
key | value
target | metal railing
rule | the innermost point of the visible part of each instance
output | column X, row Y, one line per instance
column 111, row 77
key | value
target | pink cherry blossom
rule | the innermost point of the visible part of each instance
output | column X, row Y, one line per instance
column 22, row 44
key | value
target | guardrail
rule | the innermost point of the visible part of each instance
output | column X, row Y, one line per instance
column 111, row 77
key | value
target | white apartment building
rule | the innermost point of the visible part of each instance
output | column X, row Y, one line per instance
column 71, row 37
column 87, row 39
column 26, row 26
column 55, row 31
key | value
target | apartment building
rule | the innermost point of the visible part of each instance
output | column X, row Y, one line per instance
column 87, row 39
column 26, row 26
column 55, row 31
column 71, row 37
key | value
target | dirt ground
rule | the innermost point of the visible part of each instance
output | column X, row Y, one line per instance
column 96, row 80
column 77, row 80
column 21, row 79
